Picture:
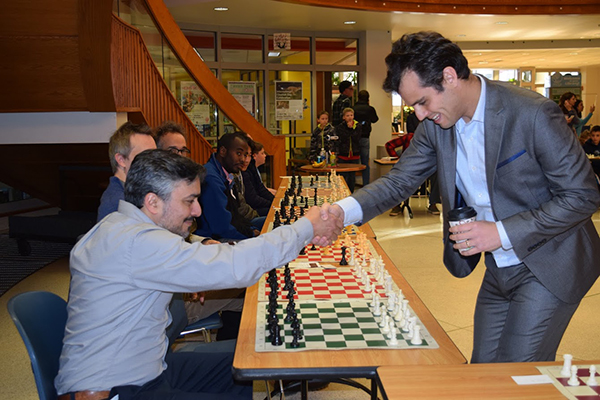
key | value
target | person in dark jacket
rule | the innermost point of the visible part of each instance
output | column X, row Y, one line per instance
column 258, row 196
column 221, row 218
column 365, row 115
column 348, row 144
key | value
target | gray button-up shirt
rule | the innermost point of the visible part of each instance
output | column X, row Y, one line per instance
column 123, row 274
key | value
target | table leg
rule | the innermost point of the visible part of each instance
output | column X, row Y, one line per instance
column 374, row 389
column 304, row 390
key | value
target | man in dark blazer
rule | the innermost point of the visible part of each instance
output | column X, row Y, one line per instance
column 508, row 153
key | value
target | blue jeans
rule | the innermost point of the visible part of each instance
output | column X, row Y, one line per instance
column 365, row 148
column 349, row 177
column 258, row 222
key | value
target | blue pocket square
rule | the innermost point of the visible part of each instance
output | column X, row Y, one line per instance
column 511, row 159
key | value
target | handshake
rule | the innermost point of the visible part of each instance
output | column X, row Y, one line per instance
column 327, row 222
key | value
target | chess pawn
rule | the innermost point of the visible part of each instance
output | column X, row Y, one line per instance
column 592, row 380
column 352, row 260
column 375, row 299
column 566, row 369
column 377, row 310
column 404, row 326
column 368, row 286
column 573, row 380
column 384, row 321
column 393, row 339
column 416, row 337
column 400, row 295
column 391, row 329
column 391, row 302
column 399, row 317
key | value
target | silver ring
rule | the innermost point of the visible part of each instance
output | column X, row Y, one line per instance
column 467, row 243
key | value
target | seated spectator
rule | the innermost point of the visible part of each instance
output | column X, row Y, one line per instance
column 258, row 196
column 124, row 144
column 229, row 302
column 592, row 147
column 221, row 219
column 115, row 342
column 246, row 210
column 348, row 144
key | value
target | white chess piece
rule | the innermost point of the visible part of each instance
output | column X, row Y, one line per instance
column 412, row 321
column 404, row 305
column 573, row 380
column 352, row 260
column 391, row 302
column 377, row 310
column 368, row 286
column 391, row 329
column 416, row 338
column 384, row 321
column 592, row 380
column 566, row 369
column 375, row 299
column 393, row 339
column 400, row 295
column 399, row 316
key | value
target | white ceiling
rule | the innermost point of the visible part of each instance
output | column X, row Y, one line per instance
column 543, row 41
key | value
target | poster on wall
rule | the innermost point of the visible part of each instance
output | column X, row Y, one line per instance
column 282, row 41
column 288, row 101
column 195, row 104
column 245, row 94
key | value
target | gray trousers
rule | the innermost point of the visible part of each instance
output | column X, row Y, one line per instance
column 516, row 318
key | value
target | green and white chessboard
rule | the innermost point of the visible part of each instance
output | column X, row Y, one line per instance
column 334, row 325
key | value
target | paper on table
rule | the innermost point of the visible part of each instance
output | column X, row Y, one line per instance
column 532, row 379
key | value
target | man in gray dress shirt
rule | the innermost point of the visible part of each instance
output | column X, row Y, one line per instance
column 125, row 270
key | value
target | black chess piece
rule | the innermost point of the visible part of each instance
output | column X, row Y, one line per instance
column 276, row 339
column 294, row 344
column 303, row 251
column 313, row 248
column 343, row 261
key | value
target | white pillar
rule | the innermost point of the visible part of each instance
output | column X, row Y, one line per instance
column 378, row 46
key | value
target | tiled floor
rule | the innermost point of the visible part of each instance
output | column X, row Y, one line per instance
column 414, row 245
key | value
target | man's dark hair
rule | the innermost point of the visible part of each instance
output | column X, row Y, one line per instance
column 427, row 54
column 344, row 85
column 363, row 95
column 165, row 128
column 158, row 171
column 227, row 139
column 595, row 128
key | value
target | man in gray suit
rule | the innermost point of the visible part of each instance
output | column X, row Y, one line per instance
column 510, row 155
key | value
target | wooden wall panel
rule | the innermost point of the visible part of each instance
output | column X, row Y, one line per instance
column 40, row 74
column 39, row 17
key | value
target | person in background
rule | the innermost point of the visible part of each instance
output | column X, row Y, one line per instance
column 115, row 342
column 171, row 136
column 247, row 211
column 365, row 115
column 582, row 121
column 567, row 105
column 124, row 144
column 348, row 145
column 343, row 101
column 508, row 153
column 323, row 137
column 221, row 219
column 258, row 196
column 592, row 147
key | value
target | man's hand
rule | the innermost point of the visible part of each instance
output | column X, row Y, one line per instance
column 210, row 241
column 332, row 209
column 197, row 297
column 478, row 236
column 326, row 227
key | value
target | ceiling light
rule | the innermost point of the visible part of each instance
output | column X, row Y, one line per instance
column 501, row 23
column 274, row 53
column 483, row 62
column 573, row 54
column 349, row 22
column 461, row 35
column 221, row 9
column 524, row 54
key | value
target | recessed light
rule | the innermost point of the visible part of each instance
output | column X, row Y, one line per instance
column 461, row 35
column 221, row 8
column 274, row 54
column 498, row 60
column 483, row 62
column 524, row 54
column 349, row 22
column 501, row 23
column 573, row 54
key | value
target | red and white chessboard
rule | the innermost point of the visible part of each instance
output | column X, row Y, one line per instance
column 321, row 283
column 581, row 392
column 330, row 254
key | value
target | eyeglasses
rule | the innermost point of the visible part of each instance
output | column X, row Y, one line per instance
column 184, row 151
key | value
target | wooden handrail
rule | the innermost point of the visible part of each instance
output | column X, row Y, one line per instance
column 137, row 83
column 213, row 88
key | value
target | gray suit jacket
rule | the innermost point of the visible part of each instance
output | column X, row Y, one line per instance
column 540, row 182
